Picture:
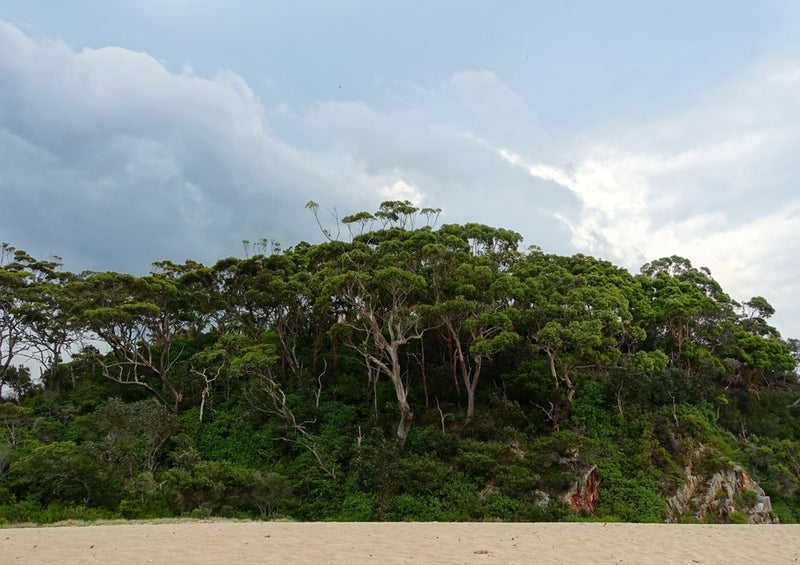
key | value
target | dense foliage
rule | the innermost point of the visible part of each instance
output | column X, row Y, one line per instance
column 405, row 373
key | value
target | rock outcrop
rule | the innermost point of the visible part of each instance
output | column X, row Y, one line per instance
column 584, row 496
column 723, row 493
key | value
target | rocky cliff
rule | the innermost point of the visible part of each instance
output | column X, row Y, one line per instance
column 724, row 494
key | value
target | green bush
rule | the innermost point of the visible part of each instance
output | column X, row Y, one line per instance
column 747, row 498
column 29, row 511
column 410, row 508
column 498, row 506
column 786, row 511
column 518, row 482
column 476, row 464
column 59, row 472
column 631, row 502
column 431, row 441
column 357, row 507
column 589, row 411
column 737, row 517
column 222, row 488
column 420, row 474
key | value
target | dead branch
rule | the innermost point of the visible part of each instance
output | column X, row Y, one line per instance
column 277, row 406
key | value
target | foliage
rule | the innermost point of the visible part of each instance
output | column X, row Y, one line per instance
column 407, row 373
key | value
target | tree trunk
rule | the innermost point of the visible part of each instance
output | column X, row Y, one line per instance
column 406, row 413
column 472, row 386
column 404, row 427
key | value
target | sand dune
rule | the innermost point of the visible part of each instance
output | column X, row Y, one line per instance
column 329, row 543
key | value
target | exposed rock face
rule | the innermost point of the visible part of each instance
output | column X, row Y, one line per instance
column 487, row 490
column 720, row 495
column 585, row 493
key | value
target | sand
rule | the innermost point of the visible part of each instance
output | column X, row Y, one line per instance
column 330, row 543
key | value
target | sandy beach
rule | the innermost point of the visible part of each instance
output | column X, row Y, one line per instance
column 290, row 542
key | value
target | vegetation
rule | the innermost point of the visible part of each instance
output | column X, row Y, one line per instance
column 404, row 373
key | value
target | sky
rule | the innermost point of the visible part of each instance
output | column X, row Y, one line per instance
column 136, row 131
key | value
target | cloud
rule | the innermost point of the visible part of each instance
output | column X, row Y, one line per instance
column 176, row 8
column 112, row 161
column 401, row 190
column 716, row 184
column 443, row 140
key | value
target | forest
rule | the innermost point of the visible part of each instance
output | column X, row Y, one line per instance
column 395, row 371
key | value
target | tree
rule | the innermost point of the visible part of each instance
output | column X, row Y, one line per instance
column 57, row 472
column 687, row 311
column 134, row 434
column 14, row 420
column 14, row 283
column 397, row 213
column 141, row 321
column 575, row 313
column 204, row 308
column 268, row 396
column 376, row 292
column 34, row 312
column 363, row 219
column 52, row 329
column 243, row 359
column 471, row 297
column 277, row 296
column 759, row 362
column 755, row 313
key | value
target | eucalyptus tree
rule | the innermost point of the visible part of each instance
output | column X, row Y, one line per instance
column 687, row 311
column 397, row 214
column 33, row 313
column 498, row 245
column 760, row 362
column 142, row 323
column 471, row 296
column 204, row 306
column 363, row 219
column 53, row 331
column 278, row 295
column 267, row 298
column 375, row 287
column 14, row 281
column 756, row 356
column 755, row 313
column 574, row 312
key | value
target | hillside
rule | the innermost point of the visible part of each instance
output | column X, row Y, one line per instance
column 405, row 373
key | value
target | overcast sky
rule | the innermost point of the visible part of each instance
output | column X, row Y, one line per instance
column 140, row 130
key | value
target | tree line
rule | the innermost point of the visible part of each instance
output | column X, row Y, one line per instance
column 315, row 347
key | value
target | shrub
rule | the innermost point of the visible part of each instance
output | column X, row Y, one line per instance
column 499, row 506
column 357, row 507
column 785, row 511
column 518, row 482
column 737, row 517
column 219, row 485
column 747, row 498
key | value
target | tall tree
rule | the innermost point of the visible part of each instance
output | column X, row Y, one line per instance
column 32, row 319
column 471, row 297
column 141, row 321
column 574, row 314
column 378, row 289
column 686, row 310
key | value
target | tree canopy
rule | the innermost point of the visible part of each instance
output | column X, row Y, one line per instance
column 406, row 372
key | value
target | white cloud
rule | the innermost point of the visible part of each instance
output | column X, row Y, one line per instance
column 716, row 185
column 442, row 142
column 111, row 161
column 114, row 161
column 401, row 190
